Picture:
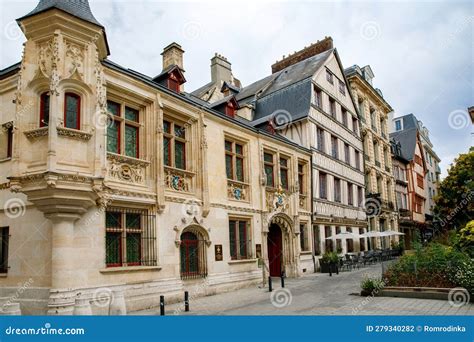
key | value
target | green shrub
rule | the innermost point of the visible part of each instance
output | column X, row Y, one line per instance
column 465, row 241
column 372, row 284
column 432, row 266
column 463, row 275
column 329, row 257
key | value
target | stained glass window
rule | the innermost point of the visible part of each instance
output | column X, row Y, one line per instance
column 268, row 160
column 239, row 239
column 133, row 248
column 113, row 137
column 174, row 145
column 284, row 173
column 131, row 141
column 72, row 111
column 113, row 108
column 167, row 151
column 234, row 160
column 131, row 114
column 113, row 255
column 179, row 150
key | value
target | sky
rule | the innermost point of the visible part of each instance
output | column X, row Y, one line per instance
column 422, row 53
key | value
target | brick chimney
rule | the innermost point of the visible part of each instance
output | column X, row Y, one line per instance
column 221, row 69
column 307, row 52
column 173, row 55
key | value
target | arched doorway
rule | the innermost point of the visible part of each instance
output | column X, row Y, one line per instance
column 193, row 262
column 275, row 250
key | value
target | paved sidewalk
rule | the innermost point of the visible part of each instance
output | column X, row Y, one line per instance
column 313, row 294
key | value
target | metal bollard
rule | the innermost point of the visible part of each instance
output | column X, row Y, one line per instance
column 282, row 280
column 162, row 305
column 186, row 301
column 270, row 284
column 337, row 269
column 330, row 270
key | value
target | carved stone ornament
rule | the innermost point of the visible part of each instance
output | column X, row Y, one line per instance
column 74, row 59
column 237, row 191
column 126, row 169
column 36, row 133
column 277, row 200
column 73, row 133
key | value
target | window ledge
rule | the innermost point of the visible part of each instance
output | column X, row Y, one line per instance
column 130, row 269
column 242, row 261
column 5, row 159
column 306, row 252
column 3, row 275
column 36, row 133
column 73, row 133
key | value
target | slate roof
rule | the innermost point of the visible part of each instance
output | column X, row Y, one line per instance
column 407, row 139
column 10, row 70
column 192, row 99
column 77, row 8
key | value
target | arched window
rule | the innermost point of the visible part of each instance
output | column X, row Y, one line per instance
column 44, row 109
column 72, row 111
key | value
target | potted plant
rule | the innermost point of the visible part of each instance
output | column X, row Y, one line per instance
column 329, row 259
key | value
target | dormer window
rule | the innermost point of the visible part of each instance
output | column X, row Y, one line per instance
column 173, row 83
column 230, row 109
column 172, row 78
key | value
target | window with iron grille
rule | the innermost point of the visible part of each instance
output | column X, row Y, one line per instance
column 130, row 238
column 174, row 144
column 240, row 239
column 4, row 239
column 304, row 238
column 123, row 129
column 193, row 255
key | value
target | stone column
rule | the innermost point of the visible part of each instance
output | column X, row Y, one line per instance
column 63, row 273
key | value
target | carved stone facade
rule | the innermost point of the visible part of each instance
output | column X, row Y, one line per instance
column 74, row 193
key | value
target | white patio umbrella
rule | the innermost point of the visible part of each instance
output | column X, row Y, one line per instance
column 391, row 233
column 372, row 234
column 344, row 235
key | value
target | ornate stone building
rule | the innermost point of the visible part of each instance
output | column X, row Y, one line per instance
column 379, row 181
column 116, row 181
column 307, row 100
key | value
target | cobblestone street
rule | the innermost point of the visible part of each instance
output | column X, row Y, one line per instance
column 313, row 294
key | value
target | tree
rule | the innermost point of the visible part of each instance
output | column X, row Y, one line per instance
column 454, row 204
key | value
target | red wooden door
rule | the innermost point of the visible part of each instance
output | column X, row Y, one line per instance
column 274, row 250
